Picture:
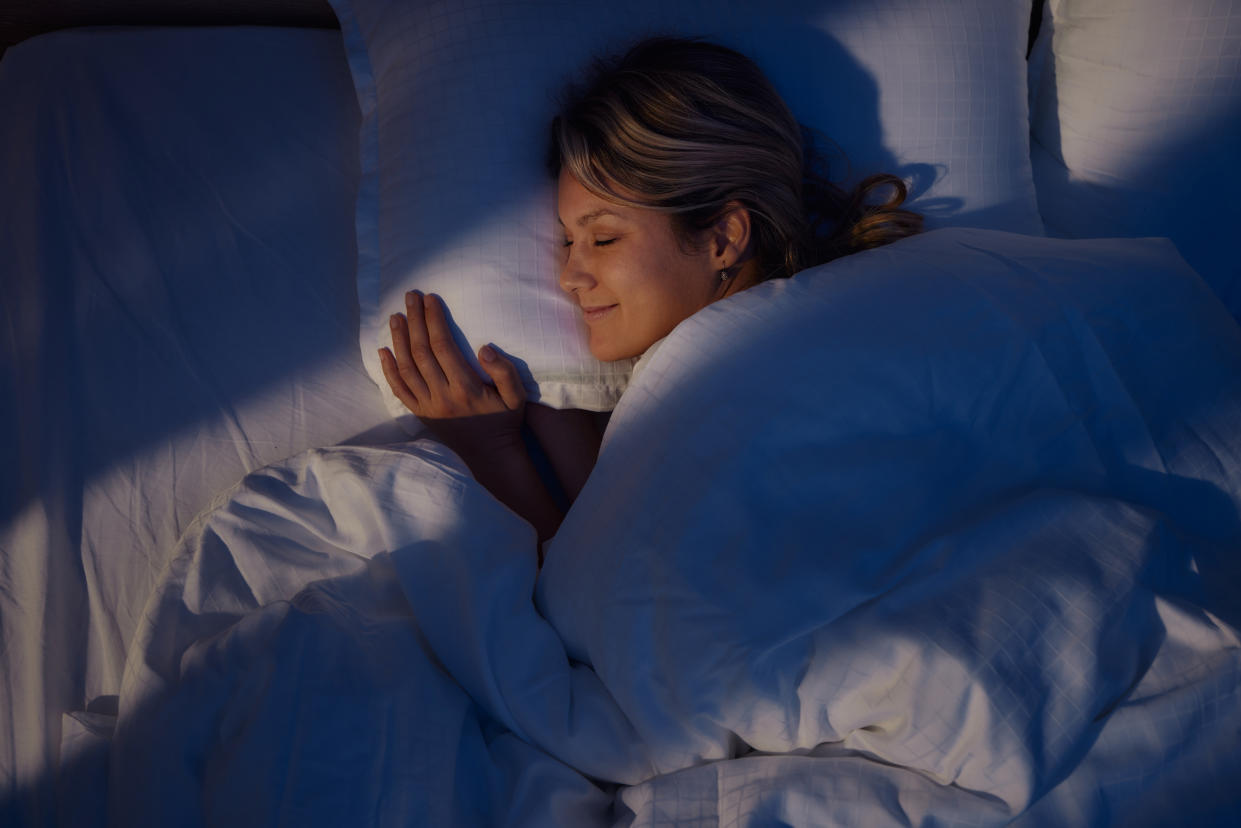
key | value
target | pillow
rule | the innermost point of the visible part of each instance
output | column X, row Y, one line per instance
column 456, row 101
column 1135, row 119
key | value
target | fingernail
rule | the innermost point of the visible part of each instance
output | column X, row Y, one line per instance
column 394, row 320
column 488, row 354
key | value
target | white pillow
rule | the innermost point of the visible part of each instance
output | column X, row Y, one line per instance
column 457, row 98
column 1136, row 121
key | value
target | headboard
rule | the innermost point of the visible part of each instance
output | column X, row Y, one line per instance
column 21, row 19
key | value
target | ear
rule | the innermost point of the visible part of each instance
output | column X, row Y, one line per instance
column 730, row 237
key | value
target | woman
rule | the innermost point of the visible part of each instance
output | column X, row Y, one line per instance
column 682, row 178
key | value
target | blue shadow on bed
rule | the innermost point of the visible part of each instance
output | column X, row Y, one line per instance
column 184, row 261
column 178, row 251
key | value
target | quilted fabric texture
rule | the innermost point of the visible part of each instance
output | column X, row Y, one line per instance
column 1136, row 118
column 457, row 97
column 952, row 550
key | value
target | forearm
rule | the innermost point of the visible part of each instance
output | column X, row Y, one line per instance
column 492, row 447
column 511, row 476
column 570, row 438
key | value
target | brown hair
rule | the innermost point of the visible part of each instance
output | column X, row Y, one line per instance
column 690, row 126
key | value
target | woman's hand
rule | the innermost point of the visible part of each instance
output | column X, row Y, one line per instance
column 482, row 423
column 428, row 373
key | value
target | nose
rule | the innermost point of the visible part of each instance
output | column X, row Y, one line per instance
column 573, row 276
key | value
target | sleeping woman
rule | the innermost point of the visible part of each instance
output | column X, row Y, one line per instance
column 682, row 179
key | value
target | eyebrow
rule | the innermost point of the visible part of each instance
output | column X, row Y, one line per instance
column 591, row 216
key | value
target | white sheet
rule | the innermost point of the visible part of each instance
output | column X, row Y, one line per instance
column 356, row 720
column 178, row 309
column 982, row 566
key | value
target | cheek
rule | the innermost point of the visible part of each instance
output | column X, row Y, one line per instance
column 659, row 303
column 679, row 289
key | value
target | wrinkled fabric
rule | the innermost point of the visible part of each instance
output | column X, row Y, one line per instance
column 283, row 672
column 940, row 533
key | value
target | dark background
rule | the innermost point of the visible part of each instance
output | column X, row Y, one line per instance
column 20, row 19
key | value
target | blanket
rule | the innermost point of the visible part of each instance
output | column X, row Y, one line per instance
column 942, row 533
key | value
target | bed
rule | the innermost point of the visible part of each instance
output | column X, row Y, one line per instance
column 943, row 533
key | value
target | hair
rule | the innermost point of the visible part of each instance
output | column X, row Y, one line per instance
column 688, row 127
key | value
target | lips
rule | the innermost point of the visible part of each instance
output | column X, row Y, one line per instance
column 597, row 312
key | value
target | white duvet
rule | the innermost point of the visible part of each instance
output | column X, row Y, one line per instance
column 942, row 533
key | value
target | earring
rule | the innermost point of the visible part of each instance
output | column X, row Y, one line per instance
column 725, row 275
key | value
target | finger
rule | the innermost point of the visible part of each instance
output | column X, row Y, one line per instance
column 392, row 374
column 419, row 345
column 504, row 374
column 451, row 360
column 408, row 371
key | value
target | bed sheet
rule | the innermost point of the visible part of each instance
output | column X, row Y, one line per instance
column 179, row 309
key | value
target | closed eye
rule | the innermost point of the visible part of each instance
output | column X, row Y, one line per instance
column 598, row 242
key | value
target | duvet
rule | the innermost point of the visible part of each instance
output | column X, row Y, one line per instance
column 941, row 533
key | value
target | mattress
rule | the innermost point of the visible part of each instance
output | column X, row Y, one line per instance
column 179, row 308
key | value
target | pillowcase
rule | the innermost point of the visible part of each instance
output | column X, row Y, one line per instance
column 457, row 98
column 1136, row 118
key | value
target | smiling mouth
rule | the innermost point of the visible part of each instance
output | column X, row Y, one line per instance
column 592, row 314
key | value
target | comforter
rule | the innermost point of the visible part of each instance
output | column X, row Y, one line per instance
column 941, row 533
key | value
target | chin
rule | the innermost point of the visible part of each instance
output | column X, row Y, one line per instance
column 611, row 353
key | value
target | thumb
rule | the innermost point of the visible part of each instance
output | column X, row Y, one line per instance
column 504, row 374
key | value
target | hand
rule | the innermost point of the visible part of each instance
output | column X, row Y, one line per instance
column 482, row 423
column 428, row 373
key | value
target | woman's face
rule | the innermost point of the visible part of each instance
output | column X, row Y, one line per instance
column 624, row 267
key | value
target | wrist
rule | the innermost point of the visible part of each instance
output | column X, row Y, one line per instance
column 480, row 435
